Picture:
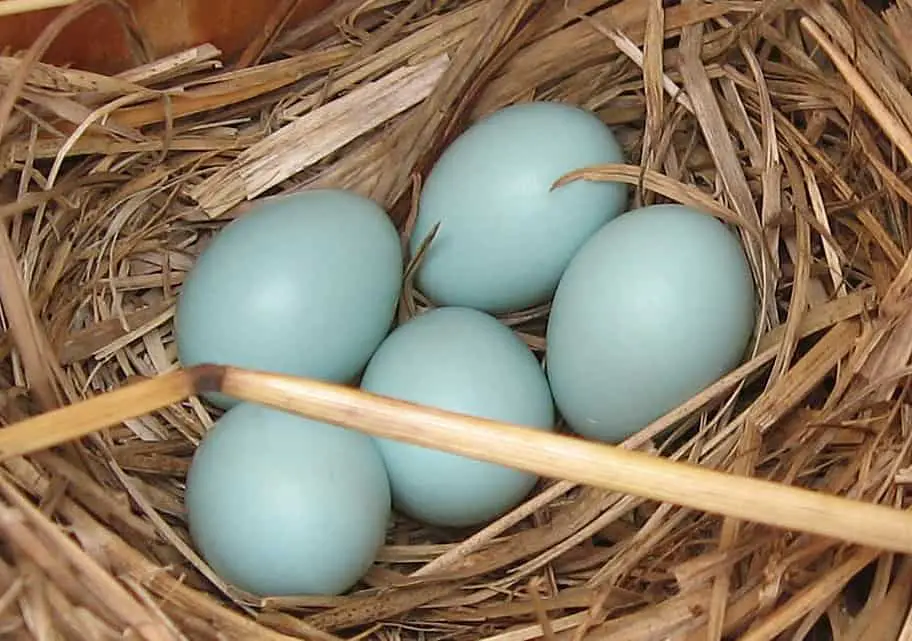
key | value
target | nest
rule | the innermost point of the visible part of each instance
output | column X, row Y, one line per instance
column 791, row 119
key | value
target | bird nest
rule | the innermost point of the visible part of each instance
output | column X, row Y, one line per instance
column 792, row 118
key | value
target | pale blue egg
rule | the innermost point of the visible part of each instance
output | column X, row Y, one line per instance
column 279, row 505
column 505, row 237
column 464, row 361
column 655, row 307
column 306, row 285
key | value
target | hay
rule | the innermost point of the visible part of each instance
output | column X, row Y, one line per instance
column 791, row 120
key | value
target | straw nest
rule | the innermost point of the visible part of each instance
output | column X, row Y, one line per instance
column 792, row 119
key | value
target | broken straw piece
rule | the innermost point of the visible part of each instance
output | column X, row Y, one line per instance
column 315, row 135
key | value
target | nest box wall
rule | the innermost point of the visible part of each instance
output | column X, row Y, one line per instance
column 96, row 40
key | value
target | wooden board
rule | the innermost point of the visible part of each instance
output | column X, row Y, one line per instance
column 96, row 41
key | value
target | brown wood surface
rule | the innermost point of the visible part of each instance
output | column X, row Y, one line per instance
column 96, row 41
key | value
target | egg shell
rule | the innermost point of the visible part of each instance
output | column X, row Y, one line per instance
column 465, row 361
column 655, row 307
column 280, row 505
column 505, row 236
column 305, row 285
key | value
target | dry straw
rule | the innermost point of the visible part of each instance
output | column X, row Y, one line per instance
column 792, row 121
column 14, row 7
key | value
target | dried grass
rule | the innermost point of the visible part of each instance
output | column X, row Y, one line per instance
column 791, row 120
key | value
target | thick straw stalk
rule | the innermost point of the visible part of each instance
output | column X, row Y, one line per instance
column 573, row 459
column 14, row 7
column 542, row 453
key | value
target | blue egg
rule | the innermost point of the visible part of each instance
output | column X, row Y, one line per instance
column 465, row 361
column 505, row 236
column 305, row 285
column 655, row 307
column 279, row 505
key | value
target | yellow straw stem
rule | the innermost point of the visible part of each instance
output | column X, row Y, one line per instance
column 77, row 420
column 574, row 459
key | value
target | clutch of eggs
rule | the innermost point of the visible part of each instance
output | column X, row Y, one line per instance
column 649, row 307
